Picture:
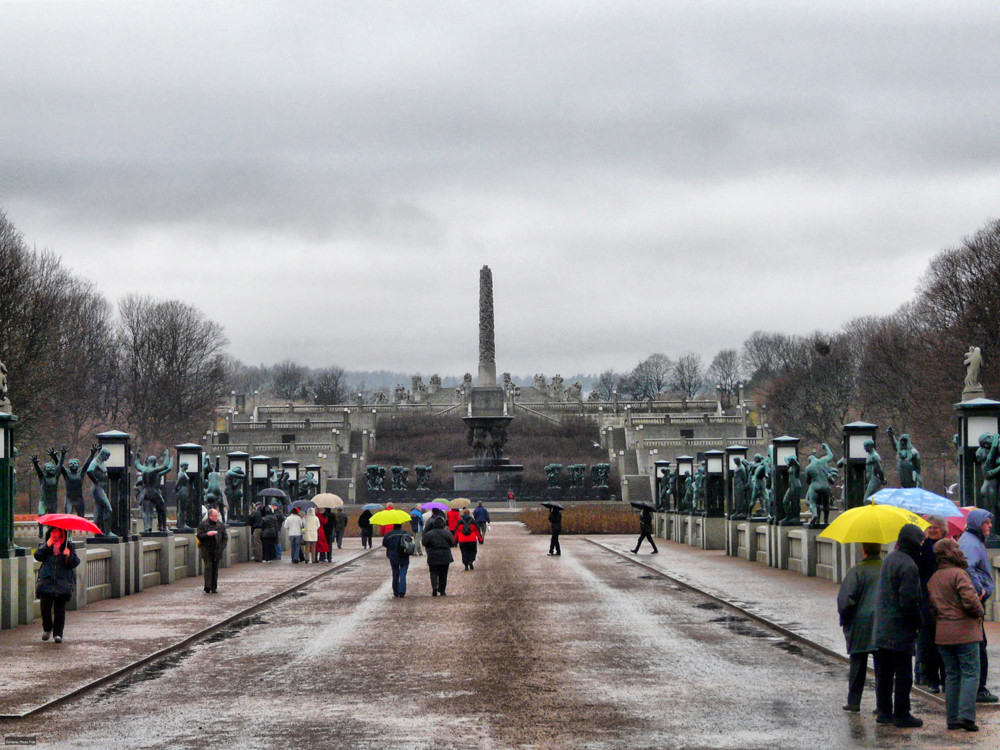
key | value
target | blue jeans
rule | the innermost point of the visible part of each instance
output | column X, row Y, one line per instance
column 399, row 575
column 296, row 546
column 961, row 680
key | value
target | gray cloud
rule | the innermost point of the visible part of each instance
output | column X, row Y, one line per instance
column 641, row 176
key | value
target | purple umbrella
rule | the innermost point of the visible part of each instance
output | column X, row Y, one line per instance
column 435, row 504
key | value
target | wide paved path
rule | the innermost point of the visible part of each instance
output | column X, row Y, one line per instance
column 586, row 650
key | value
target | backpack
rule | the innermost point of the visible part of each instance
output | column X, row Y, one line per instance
column 406, row 546
column 467, row 525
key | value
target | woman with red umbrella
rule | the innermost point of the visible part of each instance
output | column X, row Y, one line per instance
column 55, row 581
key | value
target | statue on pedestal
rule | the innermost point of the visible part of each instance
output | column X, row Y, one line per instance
column 576, row 475
column 376, row 477
column 575, row 392
column 423, row 476
column 151, row 499
column 97, row 472
column 741, row 490
column 308, row 486
column 235, row 478
column 552, row 474
column 988, row 456
column 973, row 362
column 73, row 475
column 874, row 476
column 700, row 504
column 792, row 501
column 399, row 478
column 48, row 479
column 213, row 489
column 818, row 475
column 687, row 501
column 182, row 494
column 4, row 401
column 599, row 475
column 758, row 485
column 907, row 460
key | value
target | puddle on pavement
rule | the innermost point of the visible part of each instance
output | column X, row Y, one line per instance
column 708, row 605
column 741, row 626
column 235, row 629
column 298, row 594
column 147, row 674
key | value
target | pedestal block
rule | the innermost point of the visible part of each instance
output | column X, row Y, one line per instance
column 746, row 540
column 732, row 533
column 763, row 543
column 828, row 559
column 802, row 550
column 711, row 532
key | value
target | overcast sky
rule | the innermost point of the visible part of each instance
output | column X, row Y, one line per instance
column 325, row 179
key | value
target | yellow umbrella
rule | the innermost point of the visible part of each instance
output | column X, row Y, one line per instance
column 390, row 517
column 327, row 500
column 459, row 502
column 871, row 523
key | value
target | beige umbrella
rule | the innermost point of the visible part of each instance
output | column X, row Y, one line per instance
column 327, row 500
column 459, row 502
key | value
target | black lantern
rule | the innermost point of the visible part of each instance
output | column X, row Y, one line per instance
column 855, row 435
column 976, row 418
column 735, row 455
column 715, row 483
column 118, row 464
column 7, row 546
column 189, row 516
column 241, row 459
column 783, row 448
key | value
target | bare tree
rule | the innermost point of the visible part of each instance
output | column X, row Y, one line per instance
column 688, row 375
column 329, row 385
column 726, row 371
column 288, row 380
column 650, row 377
column 765, row 354
column 605, row 385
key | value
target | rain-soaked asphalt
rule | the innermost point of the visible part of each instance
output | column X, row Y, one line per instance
column 586, row 650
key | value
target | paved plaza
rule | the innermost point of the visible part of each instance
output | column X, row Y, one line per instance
column 593, row 649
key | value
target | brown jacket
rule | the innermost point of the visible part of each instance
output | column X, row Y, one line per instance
column 954, row 602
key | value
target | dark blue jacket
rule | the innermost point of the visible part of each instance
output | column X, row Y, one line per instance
column 391, row 543
column 481, row 514
column 973, row 547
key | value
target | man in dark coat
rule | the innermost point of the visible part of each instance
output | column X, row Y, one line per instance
column 856, row 605
column 213, row 537
column 645, row 530
column 339, row 525
column 398, row 560
column 438, row 542
column 555, row 523
column 897, row 621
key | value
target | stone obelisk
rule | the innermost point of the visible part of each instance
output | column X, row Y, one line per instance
column 487, row 343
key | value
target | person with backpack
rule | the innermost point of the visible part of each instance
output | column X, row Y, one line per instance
column 417, row 527
column 269, row 526
column 398, row 548
column 438, row 541
column 468, row 536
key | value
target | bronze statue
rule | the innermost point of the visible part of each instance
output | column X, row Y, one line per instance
column 151, row 498
column 792, row 501
column 741, row 490
column 48, row 479
column 97, row 472
column 700, row 489
column 907, row 460
column 423, row 476
column 874, row 476
column 213, row 489
column 182, row 495
column 399, row 478
column 818, row 475
column 308, row 486
column 758, row 485
column 988, row 456
column 73, row 475
column 552, row 473
column 235, row 479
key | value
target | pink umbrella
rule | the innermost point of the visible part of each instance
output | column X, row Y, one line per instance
column 956, row 524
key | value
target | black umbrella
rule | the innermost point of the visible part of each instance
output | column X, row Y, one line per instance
column 304, row 505
column 557, row 506
column 643, row 506
column 273, row 492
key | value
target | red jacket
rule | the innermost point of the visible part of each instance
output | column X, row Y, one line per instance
column 453, row 516
column 472, row 536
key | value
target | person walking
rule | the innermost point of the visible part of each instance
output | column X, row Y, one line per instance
column 256, row 525
column 366, row 529
column 929, row 669
column 279, row 519
column 897, row 620
column 327, row 535
column 212, row 536
column 645, row 530
column 453, row 516
column 958, row 613
column 856, row 606
column 269, row 526
column 482, row 516
column 399, row 559
column 294, row 526
column 468, row 537
column 55, row 581
column 978, row 525
column 438, row 541
column 339, row 526
column 417, row 528
column 555, row 522
column 310, row 535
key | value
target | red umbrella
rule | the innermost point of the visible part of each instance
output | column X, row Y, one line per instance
column 68, row 522
column 956, row 524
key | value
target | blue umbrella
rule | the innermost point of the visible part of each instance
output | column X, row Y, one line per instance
column 371, row 506
column 916, row 500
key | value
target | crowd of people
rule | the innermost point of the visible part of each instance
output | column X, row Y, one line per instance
column 926, row 597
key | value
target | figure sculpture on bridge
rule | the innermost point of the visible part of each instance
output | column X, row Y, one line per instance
column 758, row 483
column 552, row 472
column 73, row 475
column 818, row 476
column 874, row 476
column 687, row 503
column 213, row 490
column 151, row 499
column 308, row 486
column 700, row 488
column 423, row 476
column 97, row 472
column 182, row 493
column 988, row 456
column 792, row 501
column 907, row 460
column 741, row 489
column 235, row 479
column 48, row 480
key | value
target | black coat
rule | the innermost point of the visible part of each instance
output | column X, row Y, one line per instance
column 56, row 577
column 897, row 607
column 269, row 525
column 555, row 519
column 646, row 521
column 212, row 547
column 438, row 542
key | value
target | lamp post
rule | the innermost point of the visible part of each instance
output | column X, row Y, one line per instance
column 118, row 445
column 292, row 467
column 7, row 546
column 784, row 447
column 259, row 475
column 685, row 468
column 735, row 455
column 241, row 459
column 188, row 518
column 855, row 435
column 976, row 417
column 315, row 470
column 715, row 483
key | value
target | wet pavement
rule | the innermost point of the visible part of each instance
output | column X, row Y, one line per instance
column 586, row 650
